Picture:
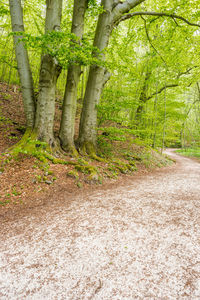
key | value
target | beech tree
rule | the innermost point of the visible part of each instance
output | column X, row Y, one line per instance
column 40, row 115
column 23, row 62
column 49, row 72
column 40, row 112
column 73, row 76
column 114, row 13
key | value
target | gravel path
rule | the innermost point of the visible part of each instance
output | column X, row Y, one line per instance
column 140, row 241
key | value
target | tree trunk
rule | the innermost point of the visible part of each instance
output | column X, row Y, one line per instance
column 142, row 100
column 49, row 73
column 88, row 124
column 95, row 83
column 70, row 98
column 23, row 62
column 113, row 10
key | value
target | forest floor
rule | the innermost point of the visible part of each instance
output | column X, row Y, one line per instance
column 26, row 183
column 138, row 240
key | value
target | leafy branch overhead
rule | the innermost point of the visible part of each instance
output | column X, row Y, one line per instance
column 155, row 14
column 65, row 47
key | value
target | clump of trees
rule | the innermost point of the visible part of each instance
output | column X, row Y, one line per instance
column 134, row 62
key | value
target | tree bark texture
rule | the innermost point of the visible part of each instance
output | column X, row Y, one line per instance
column 24, row 70
column 113, row 10
column 70, row 98
column 49, row 73
column 95, row 83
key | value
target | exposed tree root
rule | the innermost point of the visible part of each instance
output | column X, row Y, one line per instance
column 88, row 149
column 70, row 150
column 30, row 145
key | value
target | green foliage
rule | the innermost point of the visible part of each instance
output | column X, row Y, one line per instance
column 94, row 8
column 65, row 47
column 190, row 152
column 164, row 48
column 3, row 10
column 34, row 148
column 73, row 174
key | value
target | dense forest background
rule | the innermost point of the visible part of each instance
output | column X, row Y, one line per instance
column 149, row 69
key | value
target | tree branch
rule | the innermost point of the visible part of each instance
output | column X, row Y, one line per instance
column 186, row 72
column 153, row 13
column 162, row 89
column 124, row 7
column 173, row 84
column 198, row 88
column 107, row 76
column 150, row 41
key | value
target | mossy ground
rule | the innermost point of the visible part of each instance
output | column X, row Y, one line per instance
column 29, row 169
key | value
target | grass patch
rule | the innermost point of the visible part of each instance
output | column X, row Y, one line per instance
column 190, row 152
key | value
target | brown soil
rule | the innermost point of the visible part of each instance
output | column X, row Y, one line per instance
column 21, row 182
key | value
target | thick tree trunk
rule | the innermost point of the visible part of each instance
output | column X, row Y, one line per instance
column 70, row 99
column 88, row 124
column 23, row 62
column 46, row 100
column 96, row 80
column 113, row 10
column 49, row 72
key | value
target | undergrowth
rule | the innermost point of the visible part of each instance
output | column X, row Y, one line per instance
column 116, row 155
column 190, row 152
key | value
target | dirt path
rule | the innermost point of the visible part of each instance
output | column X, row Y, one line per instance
column 140, row 241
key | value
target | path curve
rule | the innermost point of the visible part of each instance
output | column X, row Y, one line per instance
column 140, row 241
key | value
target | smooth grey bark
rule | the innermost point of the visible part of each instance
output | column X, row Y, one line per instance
column 88, row 122
column 66, row 134
column 113, row 10
column 49, row 73
column 24, row 70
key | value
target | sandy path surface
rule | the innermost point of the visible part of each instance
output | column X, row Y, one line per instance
column 139, row 241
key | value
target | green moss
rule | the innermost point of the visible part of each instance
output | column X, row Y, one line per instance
column 30, row 146
column 130, row 156
column 86, row 169
column 71, row 150
column 88, row 148
column 94, row 177
column 114, row 174
column 82, row 161
column 73, row 174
